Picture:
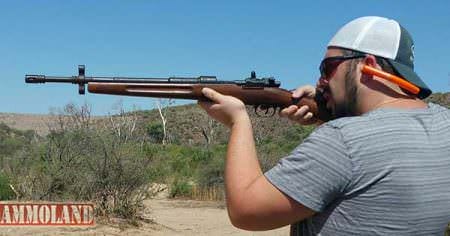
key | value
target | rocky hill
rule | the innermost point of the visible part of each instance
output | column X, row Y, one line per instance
column 34, row 122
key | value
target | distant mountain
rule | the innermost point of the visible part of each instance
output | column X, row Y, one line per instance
column 27, row 121
column 440, row 98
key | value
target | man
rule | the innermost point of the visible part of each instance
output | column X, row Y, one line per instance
column 382, row 167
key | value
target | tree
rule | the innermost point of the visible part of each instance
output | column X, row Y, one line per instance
column 163, row 105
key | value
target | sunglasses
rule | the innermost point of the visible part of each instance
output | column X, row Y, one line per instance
column 329, row 64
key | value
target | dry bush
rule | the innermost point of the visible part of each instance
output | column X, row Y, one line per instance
column 84, row 160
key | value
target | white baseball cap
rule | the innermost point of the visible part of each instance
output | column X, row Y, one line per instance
column 385, row 38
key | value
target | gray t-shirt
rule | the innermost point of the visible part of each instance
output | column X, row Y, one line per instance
column 386, row 172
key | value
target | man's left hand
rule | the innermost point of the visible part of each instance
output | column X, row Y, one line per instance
column 226, row 109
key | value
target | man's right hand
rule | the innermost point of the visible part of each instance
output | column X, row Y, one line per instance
column 301, row 115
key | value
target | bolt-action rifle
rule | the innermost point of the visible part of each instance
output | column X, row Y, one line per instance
column 262, row 93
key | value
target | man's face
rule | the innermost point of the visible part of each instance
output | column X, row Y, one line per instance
column 339, row 86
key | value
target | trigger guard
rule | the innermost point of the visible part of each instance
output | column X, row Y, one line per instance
column 259, row 109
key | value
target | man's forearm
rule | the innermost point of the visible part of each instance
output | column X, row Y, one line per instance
column 242, row 166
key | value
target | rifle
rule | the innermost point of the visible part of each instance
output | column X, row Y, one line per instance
column 262, row 93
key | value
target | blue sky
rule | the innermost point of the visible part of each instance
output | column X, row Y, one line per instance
column 228, row 39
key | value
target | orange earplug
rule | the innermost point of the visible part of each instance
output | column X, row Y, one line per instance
column 394, row 79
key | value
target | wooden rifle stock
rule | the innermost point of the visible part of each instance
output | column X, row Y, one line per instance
column 256, row 96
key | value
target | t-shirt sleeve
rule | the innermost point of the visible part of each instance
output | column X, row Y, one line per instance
column 317, row 171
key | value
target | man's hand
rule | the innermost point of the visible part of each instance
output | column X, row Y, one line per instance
column 301, row 115
column 226, row 109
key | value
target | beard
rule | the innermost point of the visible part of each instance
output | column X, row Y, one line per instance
column 348, row 106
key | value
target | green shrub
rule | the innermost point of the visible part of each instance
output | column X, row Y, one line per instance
column 180, row 188
column 155, row 131
column 210, row 171
column 6, row 192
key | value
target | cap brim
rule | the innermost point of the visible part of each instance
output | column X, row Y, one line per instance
column 407, row 73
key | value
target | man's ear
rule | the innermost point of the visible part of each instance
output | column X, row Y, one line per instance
column 371, row 61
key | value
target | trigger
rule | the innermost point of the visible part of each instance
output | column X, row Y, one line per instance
column 259, row 109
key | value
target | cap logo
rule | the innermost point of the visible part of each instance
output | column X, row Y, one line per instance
column 412, row 53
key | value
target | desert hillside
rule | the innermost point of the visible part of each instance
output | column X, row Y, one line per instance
column 27, row 121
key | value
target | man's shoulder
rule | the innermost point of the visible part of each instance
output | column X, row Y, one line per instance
column 384, row 116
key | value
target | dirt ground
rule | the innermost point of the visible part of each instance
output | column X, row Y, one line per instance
column 166, row 217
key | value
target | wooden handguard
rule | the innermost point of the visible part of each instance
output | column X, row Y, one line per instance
column 267, row 96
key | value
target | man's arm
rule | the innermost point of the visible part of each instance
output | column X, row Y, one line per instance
column 253, row 203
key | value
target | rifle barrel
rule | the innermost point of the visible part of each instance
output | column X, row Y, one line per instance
column 83, row 80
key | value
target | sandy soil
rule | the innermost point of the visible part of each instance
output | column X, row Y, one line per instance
column 167, row 217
